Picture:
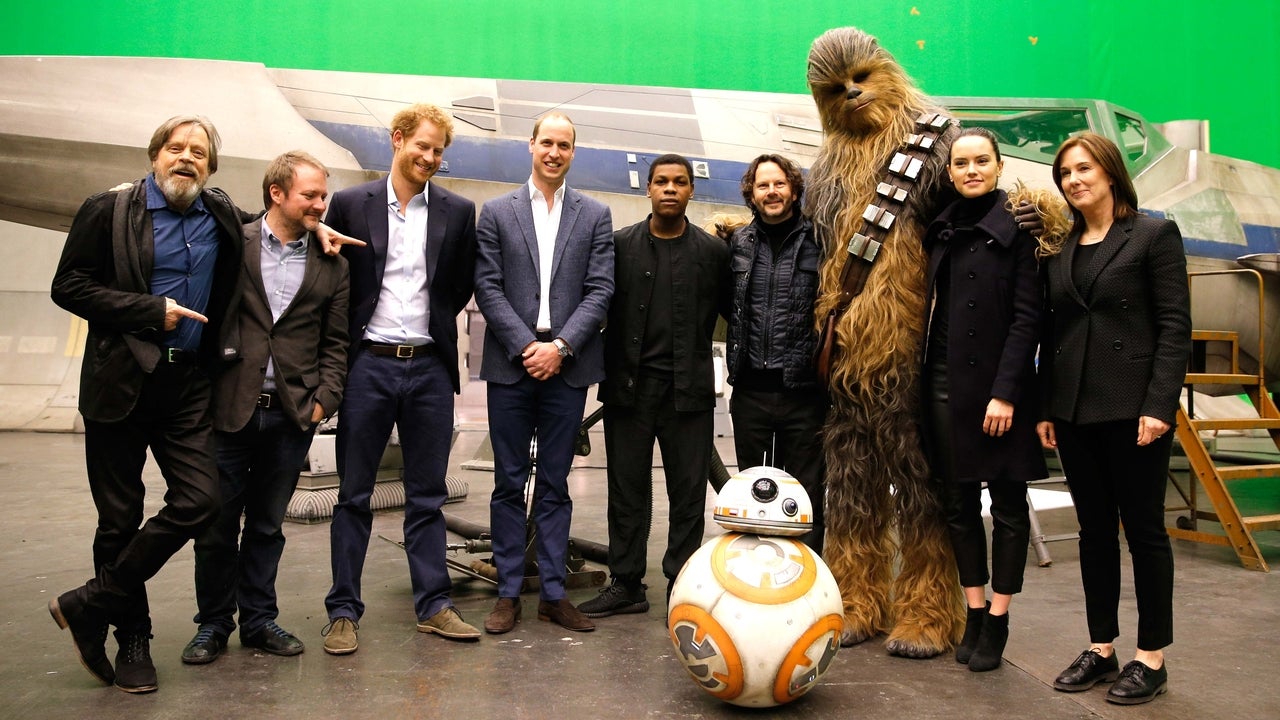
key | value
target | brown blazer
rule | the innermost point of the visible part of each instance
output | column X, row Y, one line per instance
column 308, row 343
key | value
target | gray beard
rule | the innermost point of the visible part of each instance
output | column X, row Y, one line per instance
column 179, row 193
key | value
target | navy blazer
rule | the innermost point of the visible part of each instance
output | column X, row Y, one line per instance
column 507, row 288
column 1116, row 348
column 308, row 343
column 361, row 212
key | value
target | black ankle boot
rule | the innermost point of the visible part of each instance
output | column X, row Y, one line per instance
column 135, row 673
column 972, row 628
column 990, row 650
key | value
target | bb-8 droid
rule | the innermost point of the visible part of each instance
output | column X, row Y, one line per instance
column 755, row 615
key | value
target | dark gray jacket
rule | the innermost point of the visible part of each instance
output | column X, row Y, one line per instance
column 1117, row 348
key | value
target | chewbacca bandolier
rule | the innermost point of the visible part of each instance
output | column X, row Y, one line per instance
column 868, row 106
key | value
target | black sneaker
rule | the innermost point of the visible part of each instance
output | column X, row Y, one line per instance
column 135, row 673
column 88, row 632
column 616, row 599
column 273, row 639
column 205, row 647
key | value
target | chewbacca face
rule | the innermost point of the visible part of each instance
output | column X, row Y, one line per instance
column 857, row 84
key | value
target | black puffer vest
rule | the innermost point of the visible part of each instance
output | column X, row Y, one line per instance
column 771, row 325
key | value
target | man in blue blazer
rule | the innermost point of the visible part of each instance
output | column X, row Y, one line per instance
column 544, row 277
column 408, row 285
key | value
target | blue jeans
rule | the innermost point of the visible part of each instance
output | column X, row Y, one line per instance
column 416, row 395
column 258, row 470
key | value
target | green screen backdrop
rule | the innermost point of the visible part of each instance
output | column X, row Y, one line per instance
column 1166, row 59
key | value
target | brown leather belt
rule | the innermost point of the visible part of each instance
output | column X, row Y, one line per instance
column 404, row 352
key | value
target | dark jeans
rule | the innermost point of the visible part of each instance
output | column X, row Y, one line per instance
column 1113, row 481
column 1010, row 533
column 415, row 395
column 785, row 428
column 685, row 440
column 258, row 470
column 172, row 418
column 552, row 411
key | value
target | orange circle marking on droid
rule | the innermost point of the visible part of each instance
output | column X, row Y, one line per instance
column 764, row 569
column 726, row 684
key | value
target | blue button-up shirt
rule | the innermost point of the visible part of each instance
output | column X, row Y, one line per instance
column 186, row 249
column 282, row 265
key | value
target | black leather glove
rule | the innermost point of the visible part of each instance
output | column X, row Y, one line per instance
column 1028, row 219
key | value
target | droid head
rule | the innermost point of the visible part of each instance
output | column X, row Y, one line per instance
column 764, row 501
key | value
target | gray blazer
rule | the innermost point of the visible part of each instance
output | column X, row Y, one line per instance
column 1117, row 347
column 308, row 343
column 507, row 286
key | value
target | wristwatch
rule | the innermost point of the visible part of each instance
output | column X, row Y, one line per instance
column 562, row 347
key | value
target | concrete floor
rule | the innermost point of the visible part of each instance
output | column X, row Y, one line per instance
column 1224, row 663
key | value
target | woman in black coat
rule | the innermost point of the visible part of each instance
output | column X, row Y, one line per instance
column 1113, row 359
column 979, row 379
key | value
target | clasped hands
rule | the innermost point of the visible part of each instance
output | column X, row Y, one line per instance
column 541, row 360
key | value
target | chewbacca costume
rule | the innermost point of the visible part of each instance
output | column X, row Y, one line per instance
column 868, row 105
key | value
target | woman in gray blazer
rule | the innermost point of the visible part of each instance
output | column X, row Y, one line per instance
column 1113, row 355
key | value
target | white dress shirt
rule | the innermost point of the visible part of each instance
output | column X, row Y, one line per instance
column 403, row 308
column 546, row 225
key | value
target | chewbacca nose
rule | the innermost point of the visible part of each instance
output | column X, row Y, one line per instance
column 854, row 91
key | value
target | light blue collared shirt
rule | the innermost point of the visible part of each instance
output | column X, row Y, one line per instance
column 283, row 266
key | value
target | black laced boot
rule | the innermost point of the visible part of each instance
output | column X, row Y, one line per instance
column 990, row 650
column 972, row 628
column 135, row 673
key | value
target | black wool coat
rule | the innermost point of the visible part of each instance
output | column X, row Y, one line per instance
column 994, row 322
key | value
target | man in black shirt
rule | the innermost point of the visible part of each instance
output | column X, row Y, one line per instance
column 659, row 383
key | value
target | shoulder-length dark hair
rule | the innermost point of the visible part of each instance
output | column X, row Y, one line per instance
column 795, row 178
column 1108, row 157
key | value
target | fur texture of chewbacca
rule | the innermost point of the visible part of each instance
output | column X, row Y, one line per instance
column 868, row 106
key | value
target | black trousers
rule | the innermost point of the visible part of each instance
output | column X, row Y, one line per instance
column 236, row 566
column 785, row 428
column 1010, row 533
column 173, row 419
column 685, row 441
column 1010, row 519
column 1113, row 480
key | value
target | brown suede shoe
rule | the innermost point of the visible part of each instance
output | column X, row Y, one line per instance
column 504, row 616
column 563, row 613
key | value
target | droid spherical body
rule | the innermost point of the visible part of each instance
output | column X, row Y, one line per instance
column 756, row 618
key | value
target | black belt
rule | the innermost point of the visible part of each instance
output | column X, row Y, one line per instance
column 177, row 356
column 268, row 400
column 545, row 336
column 404, row 352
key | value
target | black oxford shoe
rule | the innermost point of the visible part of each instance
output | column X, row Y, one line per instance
column 273, row 639
column 1088, row 670
column 1138, row 684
